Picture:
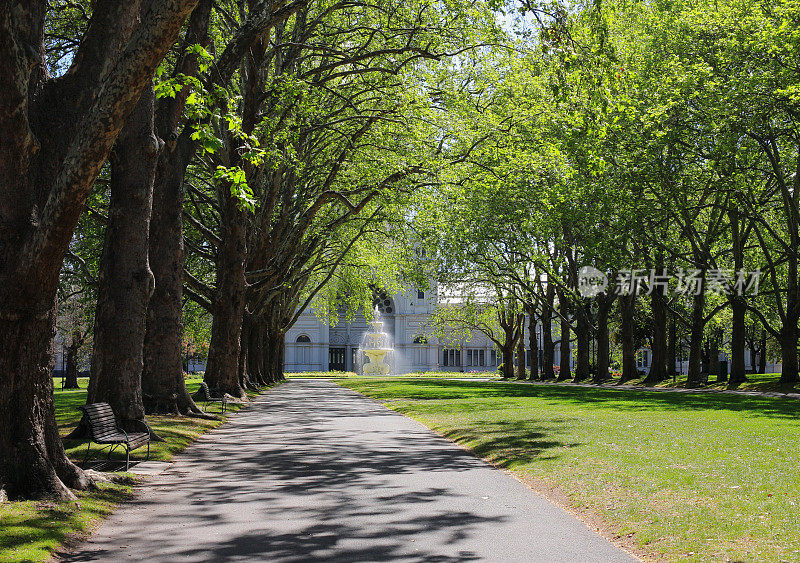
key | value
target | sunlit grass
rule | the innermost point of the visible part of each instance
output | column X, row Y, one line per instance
column 693, row 477
column 420, row 374
column 318, row 374
column 31, row 531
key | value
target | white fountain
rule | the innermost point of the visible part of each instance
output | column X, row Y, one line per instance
column 376, row 344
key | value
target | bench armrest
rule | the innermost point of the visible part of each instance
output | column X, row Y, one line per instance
column 141, row 422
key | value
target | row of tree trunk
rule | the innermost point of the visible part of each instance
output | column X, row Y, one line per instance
column 588, row 328
column 136, row 364
column 57, row 134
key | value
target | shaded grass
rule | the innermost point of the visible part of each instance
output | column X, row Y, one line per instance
column 32, row 531
column 693, row 477
column 755, row 382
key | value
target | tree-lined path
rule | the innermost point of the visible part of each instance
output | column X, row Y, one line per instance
column 312, row 471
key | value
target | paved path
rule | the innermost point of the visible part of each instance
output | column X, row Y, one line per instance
column 315, row 472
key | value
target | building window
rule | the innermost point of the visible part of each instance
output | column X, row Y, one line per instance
column 475, row 358
column 303, row 339
column 383, row 302
column 420, row 340
column 493, row 357
column 528, row 358
column 420, row 294
column 444, row 358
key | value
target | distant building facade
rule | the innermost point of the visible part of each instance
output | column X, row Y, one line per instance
column 312, row 345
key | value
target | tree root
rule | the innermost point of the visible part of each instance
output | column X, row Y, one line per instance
column 203, row 415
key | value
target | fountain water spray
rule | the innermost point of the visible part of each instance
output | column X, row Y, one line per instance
column 376, row 344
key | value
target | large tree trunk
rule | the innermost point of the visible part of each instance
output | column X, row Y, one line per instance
column 244, row 352
column 71, row 369
column 548, row 346
column 256, row 353
column 694, row 378
column 564, row 369
column 274, row 348
column 54, row 145
column 672, row 348
column 222, row 373
column 603, row 347
column 584, row 337
column 627, row 306
column 762, row 357
column 658, row 365
column 738, row 307
column 125, row 281
column 789, row 331
column 521, row 371
column 534, row 344
column 788, row 344
column 163, row 385
column 32, row 459
column 508, row 360
column 714, row 365
column 753, row 358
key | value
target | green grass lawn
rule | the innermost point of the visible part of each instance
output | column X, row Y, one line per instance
column 318, row 374
column 422, row 374
column 32, row 531
column 677, row 476
column 755, row 382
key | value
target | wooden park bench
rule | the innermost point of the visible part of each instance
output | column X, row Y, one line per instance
column 203, row 395
column 103, row 429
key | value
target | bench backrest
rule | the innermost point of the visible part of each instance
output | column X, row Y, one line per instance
column 102, row 422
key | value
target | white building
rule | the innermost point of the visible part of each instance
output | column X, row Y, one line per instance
column 312, row 345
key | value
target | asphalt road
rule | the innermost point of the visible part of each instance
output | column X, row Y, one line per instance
column 315, row 472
